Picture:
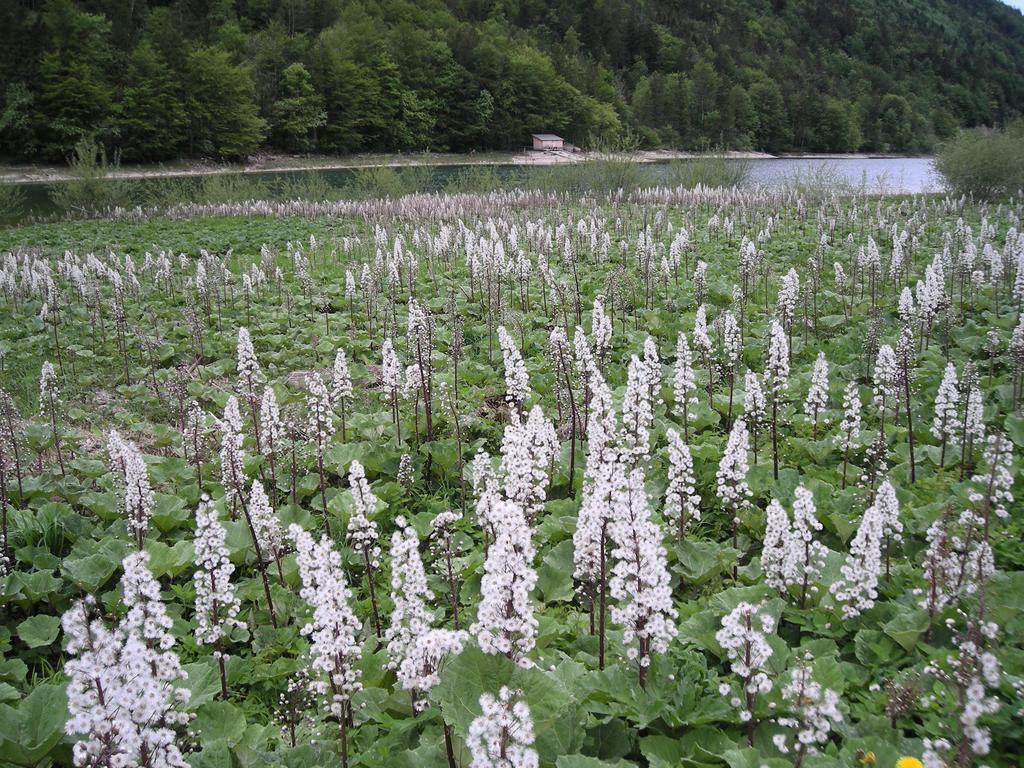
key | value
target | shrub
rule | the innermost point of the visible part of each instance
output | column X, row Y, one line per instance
column 306, row 185
column 373, row 182
column 90, row 187
column 984, row 162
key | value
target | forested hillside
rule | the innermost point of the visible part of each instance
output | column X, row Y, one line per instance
column 160, row 79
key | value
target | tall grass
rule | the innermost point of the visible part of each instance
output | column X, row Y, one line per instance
column 707, row 171
column 984, row 162
column 484, row 178
column 12, row 202
column 817, row 180
column 606, row 174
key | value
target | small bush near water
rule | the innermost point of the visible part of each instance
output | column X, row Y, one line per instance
column 983, row 162
column 90, row 187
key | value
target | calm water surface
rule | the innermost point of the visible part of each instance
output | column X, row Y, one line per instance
column 890, row 175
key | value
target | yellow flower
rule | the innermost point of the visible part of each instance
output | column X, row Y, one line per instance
column 909, row 762
column 865, row 758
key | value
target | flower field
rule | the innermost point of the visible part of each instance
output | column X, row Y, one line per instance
column 668, row 478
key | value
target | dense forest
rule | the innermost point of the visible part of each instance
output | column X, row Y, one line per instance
column 155, row 80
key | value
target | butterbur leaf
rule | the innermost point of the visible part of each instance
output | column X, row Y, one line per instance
column 556, row 720
column 1015, row 429
column 90, row 573
column 165, row 560
column 31, row 731
column 702, row 560
column 215, row 755
column 748, row 757
column 554, row 577
column 203, row 681
column 37, row 631
column 583, row 761
column 219, row 721
column 907, row 627
column 662, row 751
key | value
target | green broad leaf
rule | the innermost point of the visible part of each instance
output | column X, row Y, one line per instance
column 445, row 455
column 13, row 670
column 907, row 627
column 1015, row 429
column 170, row 512
column 610, row 740
column 1006, row 601
column 829, row 673
column 39, row 558
column 702, row 417
column 169, row 561
column 45, row 710
column 103, row 505
column 37, row 631
column 749, row 757
column 89, row 467
column 31, row 731
column 662, row 751
column 873, row 648
column 706, row 744
column 763, row 483
column 557, row 722
column 219, row 721
column 215, row 755
column 341, row 455
column 171, row 469
column 700, row 561
column 238, row 540
column 554, row 577
column 90, row 573
column 700, row 630
column 203, row 682
column 831, row 322
column 934, row 454
column 584, row 761
column 819, row 450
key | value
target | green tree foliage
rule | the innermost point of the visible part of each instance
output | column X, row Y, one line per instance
column 75, row 92
column 17, row 129
column 836, row 127
column 161, row 78
column 299, row 111
column 220, row 100
column 772, row 130
column 152, row 122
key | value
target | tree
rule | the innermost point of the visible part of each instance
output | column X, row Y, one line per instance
column 17, row 131
column 362, row 91
column 836, row 128
column 896, row 122
column 152, row 121
column 299, row 111
column 739, row 120
column 772, row 131
column 74, row 85
column 221, row 103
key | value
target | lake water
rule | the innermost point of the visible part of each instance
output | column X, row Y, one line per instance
column 889, row 175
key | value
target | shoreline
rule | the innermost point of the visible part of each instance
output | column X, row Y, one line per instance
column 49, row 174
